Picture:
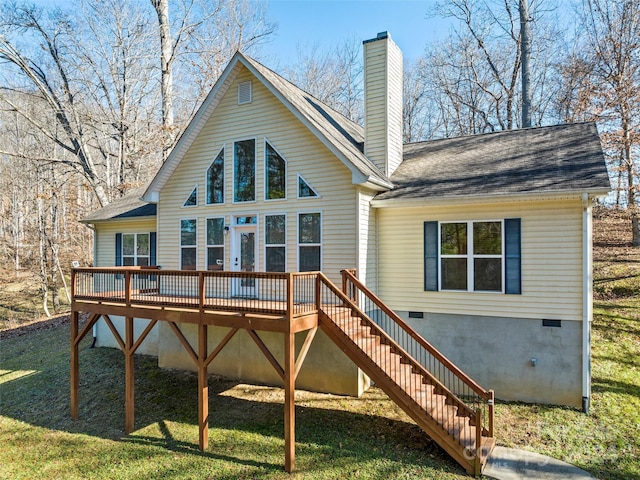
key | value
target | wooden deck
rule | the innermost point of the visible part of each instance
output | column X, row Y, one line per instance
column 205, row 299
column 426, row 385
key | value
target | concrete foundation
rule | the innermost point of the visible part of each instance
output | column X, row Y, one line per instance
column 326, row 368
column 499, row 354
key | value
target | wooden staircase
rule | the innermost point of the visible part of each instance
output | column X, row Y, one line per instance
column 449, row 406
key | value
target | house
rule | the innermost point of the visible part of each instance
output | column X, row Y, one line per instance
column 481, row 243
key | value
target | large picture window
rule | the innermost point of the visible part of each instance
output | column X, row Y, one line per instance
column 215, row 180
column 215, row 243
column 188, row 242
column 309, row 242
column 480, row 256
column 135, row 249
column 275, row 243
column 276, row 174
column 244, row 171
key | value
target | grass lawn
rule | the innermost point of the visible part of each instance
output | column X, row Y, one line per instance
column 336, row 437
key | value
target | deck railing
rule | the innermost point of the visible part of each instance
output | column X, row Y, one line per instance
column 283, row 294
column 452, row 379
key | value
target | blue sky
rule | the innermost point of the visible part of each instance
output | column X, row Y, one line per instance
column 325, row 23
column 328, row 23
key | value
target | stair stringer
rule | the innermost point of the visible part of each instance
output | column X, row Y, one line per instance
column 395, row 392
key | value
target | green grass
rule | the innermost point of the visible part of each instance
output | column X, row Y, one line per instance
column 336, row 437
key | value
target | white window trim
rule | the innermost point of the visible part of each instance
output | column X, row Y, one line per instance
column 266, row 179
column 298, row 244
column 206, row 239
column 470, row 256
column 255, row 172
column 298, row 177
column 269, row 245
column 135, row 255
column 184, row 205
column 206, row 177
column 187, row 246
column 235, row 227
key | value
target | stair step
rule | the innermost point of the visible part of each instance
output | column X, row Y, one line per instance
column 424, row 397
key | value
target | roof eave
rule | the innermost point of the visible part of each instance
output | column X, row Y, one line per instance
column 490, row 198
column 116, row 219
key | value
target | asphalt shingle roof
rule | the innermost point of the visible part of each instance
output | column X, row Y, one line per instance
column 129, row 206
column 534, row 160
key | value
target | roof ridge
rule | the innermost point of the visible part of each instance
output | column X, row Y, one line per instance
column 323, row 104
column 499, row 132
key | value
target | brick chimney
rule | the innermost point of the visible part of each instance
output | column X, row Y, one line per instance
column 383, row 102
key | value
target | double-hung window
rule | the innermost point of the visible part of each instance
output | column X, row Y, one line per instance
column 215, row 243
column 309, row 242
column 275, row 243
column 188, row 244
column 473, row 256
column 135, row 249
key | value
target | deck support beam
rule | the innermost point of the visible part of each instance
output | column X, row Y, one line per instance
column 289, row 401
column 75, row 366
column 129, row 377
column 203, row 388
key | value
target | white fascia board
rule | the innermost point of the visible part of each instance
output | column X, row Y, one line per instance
column 371, row 183
column 495, row 198
column 208, row 106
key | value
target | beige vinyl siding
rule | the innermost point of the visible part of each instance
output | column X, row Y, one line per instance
column 264, row 118
column 106, row 236
column 551, row 261
column 367, row 241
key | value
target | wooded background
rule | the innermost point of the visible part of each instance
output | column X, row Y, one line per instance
column 93, row 96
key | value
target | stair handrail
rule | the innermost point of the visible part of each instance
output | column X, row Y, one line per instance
column 436, row 382
column 485, row 394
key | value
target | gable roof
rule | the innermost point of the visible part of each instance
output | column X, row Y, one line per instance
column 557, row 159
column 342, row 136
column 129, row 206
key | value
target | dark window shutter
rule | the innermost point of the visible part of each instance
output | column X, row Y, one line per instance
column 431, row 256
column 152, row 248
column 513, row 283
column 118, row 249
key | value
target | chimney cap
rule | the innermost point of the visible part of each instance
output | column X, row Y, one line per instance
column 380, row 36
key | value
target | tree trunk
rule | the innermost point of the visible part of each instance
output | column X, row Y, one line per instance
column 166, row 66
column 525, row 45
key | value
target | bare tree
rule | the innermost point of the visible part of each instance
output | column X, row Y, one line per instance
column 54, row 86
column 203, row 34
column 476, row 71
column 333, row 76
column 613, row 32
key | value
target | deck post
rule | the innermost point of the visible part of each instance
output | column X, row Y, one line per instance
column 203, row 388
column 289, row 402
column 75, row 366
column 128, row 376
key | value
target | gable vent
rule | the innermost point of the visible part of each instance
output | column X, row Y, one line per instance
column 244, row 93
